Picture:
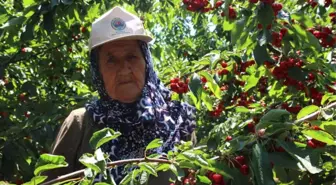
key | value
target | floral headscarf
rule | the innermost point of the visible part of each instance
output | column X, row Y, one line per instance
column 153, row 116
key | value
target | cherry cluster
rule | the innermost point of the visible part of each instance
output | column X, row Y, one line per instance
column 232, row 13
column 244, row 100
column 251, row 127
column 292, row 109
column 281, row 72
column 197, row 5
column 179, row 86
column 315, row 95
column 189, row 179
column 324, row 34
column 241, row 69
column 223, row 71
column 277, row 37
column 217, row 110
column 332, row 16
column 262, row 84
column 276, row 8
column 313, row 3
column 239, row 162
column 216, row 179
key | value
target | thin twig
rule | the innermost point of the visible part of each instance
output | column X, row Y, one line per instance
column 109, row 165
column 315, row 113
column 188, row 74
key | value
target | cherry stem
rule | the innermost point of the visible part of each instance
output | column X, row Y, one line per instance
column 109, row 165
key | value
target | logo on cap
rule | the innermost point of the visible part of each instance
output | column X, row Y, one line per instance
column 118, row 24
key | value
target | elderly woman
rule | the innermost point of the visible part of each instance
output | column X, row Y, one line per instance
column 132, row 100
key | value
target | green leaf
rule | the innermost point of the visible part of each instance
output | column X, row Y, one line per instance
column 330, row 126
column 283, row 160
column 163, row 167
column 102, row 136
column 144, row 178
column 195, row 86
column 265, row 15
column 154, row 144
column 306, row 37
column 93, row 11
column 27, row 3
column 203, row 179
column 303, row 156
column 36, row 180
column 307, row 110
column 253, row 79
column 296, row 73
column 207, row 101
column 13, row 22
column 261, row 166
column 320, row 135
column 148, row 168
column 237, row 30
column 213, row 86
column 275, row 116
column 261, row 55
column 90, row 161
column 242, row 109
column 48, row 162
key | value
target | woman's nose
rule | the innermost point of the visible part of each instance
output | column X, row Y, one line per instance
column 125, row 68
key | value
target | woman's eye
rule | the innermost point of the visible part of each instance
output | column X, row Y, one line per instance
column 110, row 60
column 132, row 57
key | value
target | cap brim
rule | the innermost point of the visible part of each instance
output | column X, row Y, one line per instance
column 125, row 37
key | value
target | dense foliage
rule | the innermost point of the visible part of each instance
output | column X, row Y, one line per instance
column 258, row 71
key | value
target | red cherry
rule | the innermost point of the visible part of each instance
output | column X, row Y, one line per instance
column 259, row 26
column 70, row 50
column 283, row 31
column 203, row 79
column 332, row 14
column 228, row 138
column 311, row 76
column 186, row 181
column 218, row 4
column 240, row 159
column 83, row 29
column 253, row 1
column 315, row 127
column 269, row 26
column 311, row 144
column 19, row 181
column 244, row 169
column 22, row 97
column 27, row 114
column 224, row 64
column 4, row 114
column 23, row 50
column 280, row 149
column 217, row 178
column 318, row 143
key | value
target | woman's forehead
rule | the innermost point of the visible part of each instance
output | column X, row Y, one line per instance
column 116, row 47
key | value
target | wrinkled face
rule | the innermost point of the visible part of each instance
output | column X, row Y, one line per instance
column 122, row 66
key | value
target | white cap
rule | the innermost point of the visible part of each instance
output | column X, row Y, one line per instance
column 116, row 24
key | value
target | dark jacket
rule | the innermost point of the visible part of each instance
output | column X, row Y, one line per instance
column 72, row 142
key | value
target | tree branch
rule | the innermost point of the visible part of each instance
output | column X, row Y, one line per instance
column 109, row 165
column 332, row 105
column 197, row 70
column 11, row 60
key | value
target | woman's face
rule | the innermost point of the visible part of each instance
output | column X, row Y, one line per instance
column 122, row 66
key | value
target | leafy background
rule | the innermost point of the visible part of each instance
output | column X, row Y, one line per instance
column 45, row 75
